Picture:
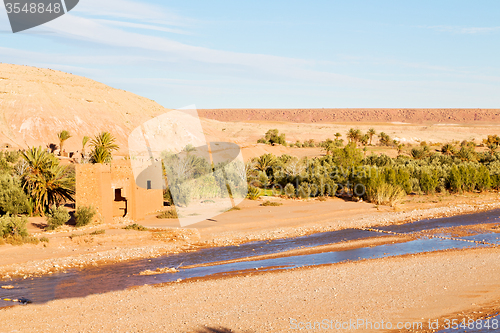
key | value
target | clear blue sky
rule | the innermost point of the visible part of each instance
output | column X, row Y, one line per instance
column 276, row 54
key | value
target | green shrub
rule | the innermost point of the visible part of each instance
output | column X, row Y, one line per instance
column 13, row 200
column 263, row 179
column 11, row 226
column 44, row 239
column 18, row 240
column 56, row 217
column 84, row 215
column 98, row 232
column 12, row 156
column 167, row 196
column 208, row 201
column 136, row 226
column 428, row 182
column 289, row 190
column 181, row 193
column 273, row 137
column 253, row 193
column 455, row 179
column 168, row 214
column 385, row 194
column 483, row 179
column 271, row 203
column 304, row 190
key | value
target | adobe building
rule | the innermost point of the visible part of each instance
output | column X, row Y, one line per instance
column 112, row 190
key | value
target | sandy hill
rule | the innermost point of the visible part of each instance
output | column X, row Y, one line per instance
column 414, row 116
column 37, row 103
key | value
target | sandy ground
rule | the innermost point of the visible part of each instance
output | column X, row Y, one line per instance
column 412, row 288
column 247, row 133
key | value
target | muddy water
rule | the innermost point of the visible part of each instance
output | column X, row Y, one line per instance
column 83, row 282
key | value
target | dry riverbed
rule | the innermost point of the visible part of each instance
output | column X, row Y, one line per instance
column 411, row 288
column 71, row 247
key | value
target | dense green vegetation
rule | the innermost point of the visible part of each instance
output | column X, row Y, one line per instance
column 345, row 171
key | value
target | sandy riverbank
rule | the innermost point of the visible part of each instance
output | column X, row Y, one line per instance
column 252, row 222
column 412, row 288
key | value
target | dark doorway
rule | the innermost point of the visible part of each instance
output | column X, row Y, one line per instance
column 120, row 204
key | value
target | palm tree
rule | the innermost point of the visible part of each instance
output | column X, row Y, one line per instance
column 400, row 148
column 264, row 162
column 385, row 139
column 328, row 146
column 364, row 139
column 62, row 136
column 418, row 154
column 84, row 143
column 103, row 145
column 448, row 149
column 46, row 181
column 354, row 135
column 466, row 154
column 337, row 135
column 371, row 132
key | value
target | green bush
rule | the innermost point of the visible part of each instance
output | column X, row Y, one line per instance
column 271, row 203
column 428, row 182
column 11, row 226
column 274, row 137
column 168, row 214
column 13, row 200
column 20, row 240
column 304, row 190
column 483, row 179
column 167, row 196
column 253, row 193
column 289, row 190
column 263, row 179
column 56, row 217
column 181, row 193
column 385, row 194
column 84, row 215
column 455, row 179
column 135, row 226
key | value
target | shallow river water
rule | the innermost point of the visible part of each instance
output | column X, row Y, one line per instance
column 92, row 280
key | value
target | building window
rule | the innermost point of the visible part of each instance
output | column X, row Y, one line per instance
column 149, row 185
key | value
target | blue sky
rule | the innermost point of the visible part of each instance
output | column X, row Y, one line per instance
column 276, row 54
